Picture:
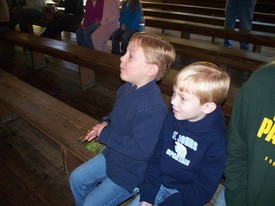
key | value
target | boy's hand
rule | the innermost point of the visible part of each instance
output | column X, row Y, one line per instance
column 91, row 135
column 99, row 127
column 145, row 204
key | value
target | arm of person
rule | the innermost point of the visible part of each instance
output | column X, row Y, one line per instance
column 203, row 188
column 144, row 136
column 135, row 18
column 152, row 179
column 112, row 12
column 236, row 163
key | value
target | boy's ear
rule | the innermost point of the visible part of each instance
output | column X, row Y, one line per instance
column 152, row 70
column 209, row 107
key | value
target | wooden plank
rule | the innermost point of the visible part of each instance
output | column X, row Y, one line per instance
column 205, row 10
column 253, row 37
column 44, row 192
column 58, row 121
column 206, row 19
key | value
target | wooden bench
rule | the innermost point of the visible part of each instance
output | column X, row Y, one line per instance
column 186, row 28
column 95, row 61
column 203, row 10
column 89, row 60
column 61, row 123
column 266, row 7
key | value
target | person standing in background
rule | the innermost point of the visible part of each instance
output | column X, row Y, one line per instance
column 242, row 10
column 108, row 24
column 129, row 24
column 73, row 14
column 91, row 21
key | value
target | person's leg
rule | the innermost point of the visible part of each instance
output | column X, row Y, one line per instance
column 161, row 196
column 115, row 41
column 60, row 24
column 125, row 37
column 24, row 17
column 231, row 12
column 107, row 193
column 246, row 18
column 86, row 177
column 80, row 36
column 135, row 202
column 101, row 35
column 220, row 200
column 88, row 32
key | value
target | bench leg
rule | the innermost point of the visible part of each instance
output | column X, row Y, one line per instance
column 6, row 49
column 87, row 77
column 70, row 162
column 257, row 48
column 38, row 60
column 185, row 35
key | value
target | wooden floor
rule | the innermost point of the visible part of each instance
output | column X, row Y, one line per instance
column 31, row 169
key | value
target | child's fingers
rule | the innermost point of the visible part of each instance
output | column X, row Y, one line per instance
column 91, row 135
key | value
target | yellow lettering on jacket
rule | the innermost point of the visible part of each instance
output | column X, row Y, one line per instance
column 267, row 128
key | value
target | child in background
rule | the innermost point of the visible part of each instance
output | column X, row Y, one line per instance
column 129, row 24
column 131, row 130
column 189, row 158
column 108, row 24
column 92, row 17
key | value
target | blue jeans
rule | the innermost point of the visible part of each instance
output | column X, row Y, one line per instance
column 83, row 36
column 220, row 200
column 91, row 186
column 161, row 196
column 242, row 10
column 123, row 36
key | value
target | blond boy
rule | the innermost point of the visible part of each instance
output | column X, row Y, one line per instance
column 131, row 130
column 189, row 157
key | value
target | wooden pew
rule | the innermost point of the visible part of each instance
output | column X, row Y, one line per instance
column 203, row 10
column 87, row 59
column 206, row 19
column 61, row 123
column 97, row 61
column 266, row 7
column 256, row 38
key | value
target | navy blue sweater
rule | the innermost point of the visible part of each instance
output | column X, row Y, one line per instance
column 189, row 157
column 132, row 133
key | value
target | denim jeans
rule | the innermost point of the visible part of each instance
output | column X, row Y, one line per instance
column 123, row 36
column 83, row 36
column 161, row 196
column 243, row 10
column 91, row 186
column 220, row 200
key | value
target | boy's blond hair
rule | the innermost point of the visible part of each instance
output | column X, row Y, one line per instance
column 204, row 80
column 157, row 51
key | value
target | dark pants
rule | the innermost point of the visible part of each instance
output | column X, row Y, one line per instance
column 24, row 17
column 60, row 24
column 123, row 36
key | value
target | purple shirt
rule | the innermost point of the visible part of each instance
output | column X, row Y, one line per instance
column 93, row 12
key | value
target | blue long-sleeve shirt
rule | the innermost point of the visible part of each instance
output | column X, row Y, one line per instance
column 132, row 133
column 130, row 18
column 189, row 157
